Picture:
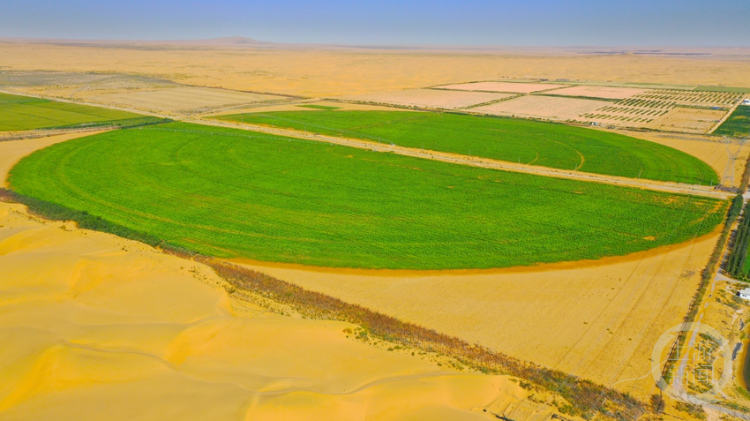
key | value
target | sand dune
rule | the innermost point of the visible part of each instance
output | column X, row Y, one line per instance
column 95, row 327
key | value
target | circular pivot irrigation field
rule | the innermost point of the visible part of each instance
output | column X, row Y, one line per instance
column 234, row 193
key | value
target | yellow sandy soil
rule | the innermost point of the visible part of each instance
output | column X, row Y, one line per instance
column 608, row 92
column 95, row 327
column 350, row 72
column 431, row 98
column 598, row 320
column 514, row 87
column 554, row 108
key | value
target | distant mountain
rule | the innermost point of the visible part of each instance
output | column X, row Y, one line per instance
column 226, row 41
column 241, row 41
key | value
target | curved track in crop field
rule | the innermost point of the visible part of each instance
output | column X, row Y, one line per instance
column 518, row 141
column 234, row 193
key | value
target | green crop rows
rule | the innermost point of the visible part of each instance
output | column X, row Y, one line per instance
column 737, row 125
column 235, row 193
column 515, row 140
column 26, row 113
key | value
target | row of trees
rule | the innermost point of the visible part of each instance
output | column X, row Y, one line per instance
column 738, row 255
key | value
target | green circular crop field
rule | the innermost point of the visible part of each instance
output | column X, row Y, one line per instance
column 507, row 139
column 233, row 193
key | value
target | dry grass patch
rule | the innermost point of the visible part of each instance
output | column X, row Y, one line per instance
column 690, row 120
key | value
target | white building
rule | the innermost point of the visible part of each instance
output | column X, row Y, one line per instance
column 744, row 294
column 746, row 102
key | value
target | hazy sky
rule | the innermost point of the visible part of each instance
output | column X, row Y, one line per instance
column 479, row 22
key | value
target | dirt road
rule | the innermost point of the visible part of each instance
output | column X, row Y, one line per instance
column 477, row 161
column 668, row 187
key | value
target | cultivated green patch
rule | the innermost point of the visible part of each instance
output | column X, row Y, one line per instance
column 318, row 107
column 523, row 141
column 234, row 193
column 737, row 125
column 25, row 113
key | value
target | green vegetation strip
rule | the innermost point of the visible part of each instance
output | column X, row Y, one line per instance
column 515, row 140
column 25, row 113
column 737, row 125
column 738, row 266
column 583, row 397
column 233, row 193
column 318, row 107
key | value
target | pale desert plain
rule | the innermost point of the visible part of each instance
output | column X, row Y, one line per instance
column 112, row 317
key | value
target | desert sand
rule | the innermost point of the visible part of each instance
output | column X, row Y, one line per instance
column 97, row 327
column 598, row 320
column 321, row 72
column 101, row 318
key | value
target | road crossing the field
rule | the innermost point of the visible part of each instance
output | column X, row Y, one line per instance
column 669, row 187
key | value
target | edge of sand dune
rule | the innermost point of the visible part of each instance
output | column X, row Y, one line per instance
column 160, row 338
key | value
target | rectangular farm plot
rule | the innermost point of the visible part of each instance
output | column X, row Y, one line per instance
column 738, row 124
column 182, row 100
column 667, row 109
column 605, row 92
column 432, row 98
column 511, row 87
column 537, row 106
column 690, row 120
